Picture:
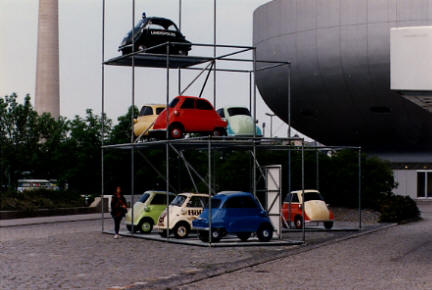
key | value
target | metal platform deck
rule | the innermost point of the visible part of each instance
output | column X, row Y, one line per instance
column 192, row 240
column 158, row 60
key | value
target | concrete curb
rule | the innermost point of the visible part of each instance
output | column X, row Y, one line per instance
column 180, row 279
column 73, row 218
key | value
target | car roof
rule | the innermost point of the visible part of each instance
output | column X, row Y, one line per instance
column 154, row 105
column 191, row 97
column 306, row 191
column 193, row 194
column 227, row 194
column 160, row 19
column 158, row 192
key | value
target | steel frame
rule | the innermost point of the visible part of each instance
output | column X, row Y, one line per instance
column 211, row 143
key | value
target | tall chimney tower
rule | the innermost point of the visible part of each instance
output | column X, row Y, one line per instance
column 47, row 96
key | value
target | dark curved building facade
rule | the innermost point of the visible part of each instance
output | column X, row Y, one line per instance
column 340, row 56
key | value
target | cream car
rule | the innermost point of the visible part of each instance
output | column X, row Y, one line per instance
column 185, row 208
column 148, row 114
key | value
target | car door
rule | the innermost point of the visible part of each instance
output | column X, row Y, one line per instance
column 187, row 116
column 206, row 116
column 194, row 207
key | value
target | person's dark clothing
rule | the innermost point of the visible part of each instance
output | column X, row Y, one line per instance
column 118, row 210
column 118, row 206
column 117, row 221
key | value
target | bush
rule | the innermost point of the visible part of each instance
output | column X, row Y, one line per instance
column 396, row 208
column 39, row 199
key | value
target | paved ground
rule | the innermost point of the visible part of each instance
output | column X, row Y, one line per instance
column 60, row 252
column 396, row 258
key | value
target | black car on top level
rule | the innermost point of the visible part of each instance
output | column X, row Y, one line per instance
column 151, row 31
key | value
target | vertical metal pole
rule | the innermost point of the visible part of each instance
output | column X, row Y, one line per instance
column 132, row 168
column 290, row 146
column 289, row 100
column 209, row 191
column 103, row 113
column 289, row 184
column 250, row 92
column 359, row 188
column 214, row 53
column 303, row 186
column 254, row 121
column 280, row 202
column 167, row 135
column 317, row 169
column 180, row 26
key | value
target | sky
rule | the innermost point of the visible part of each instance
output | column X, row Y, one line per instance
column 80, row 49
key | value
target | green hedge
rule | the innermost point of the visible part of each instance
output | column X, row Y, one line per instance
column 38, row 199
column 396, row 208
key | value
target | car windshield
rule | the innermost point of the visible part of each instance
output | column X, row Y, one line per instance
column 312, row 196
column 144, row 197
column 173, row 103
column 238, row 111
column 159, row 110
column 161, row 24
column 135, row 30
column 146, row 111
column 215, row 203
column 178, row 200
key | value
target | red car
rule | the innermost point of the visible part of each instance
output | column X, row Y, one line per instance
column 315, row 209
column 189, row 115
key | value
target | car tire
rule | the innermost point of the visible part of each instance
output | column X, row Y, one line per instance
column 182, row 52
column 175, row 131
column 216, row 235
column 129, row 228
column 243, row 236
column 219, row 132
column 145, row 226
column 328, row 225
column 298, row 222
column 265, row 233
column 181, row 230
column 203, row 236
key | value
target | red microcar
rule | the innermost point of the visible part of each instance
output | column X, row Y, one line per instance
column 189, row 115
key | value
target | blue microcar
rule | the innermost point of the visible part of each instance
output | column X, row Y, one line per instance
column 238, row 213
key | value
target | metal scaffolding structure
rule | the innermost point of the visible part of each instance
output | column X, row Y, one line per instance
column 204, row 65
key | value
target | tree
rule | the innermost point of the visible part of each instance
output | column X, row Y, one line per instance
column 18, row 138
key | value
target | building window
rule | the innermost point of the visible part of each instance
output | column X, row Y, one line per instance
column 424, row 183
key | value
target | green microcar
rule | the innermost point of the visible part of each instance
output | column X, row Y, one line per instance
column 147, row 210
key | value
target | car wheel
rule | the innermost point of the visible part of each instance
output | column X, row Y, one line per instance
column 182, row 52
column 145, row 226
column 203, row 236
column 219, row 132
column 265, row 233
column 328, row 225
column 129, row 228
column 176, row 132
column 216, row 235
column 243, row 236
column 181, row 230
column 298, row 222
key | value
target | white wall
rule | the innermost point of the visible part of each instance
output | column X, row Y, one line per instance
column 407, row 180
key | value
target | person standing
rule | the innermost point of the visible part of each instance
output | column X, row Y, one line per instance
column 118, row 209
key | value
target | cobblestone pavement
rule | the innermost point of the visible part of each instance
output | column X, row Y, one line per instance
column 396, row 258
column 77, row 255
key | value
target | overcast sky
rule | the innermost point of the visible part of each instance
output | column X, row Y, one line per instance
column 80, row 34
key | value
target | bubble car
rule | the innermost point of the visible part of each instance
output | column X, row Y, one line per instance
column 315, row 209
column 181, row 212
column 238, row 213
